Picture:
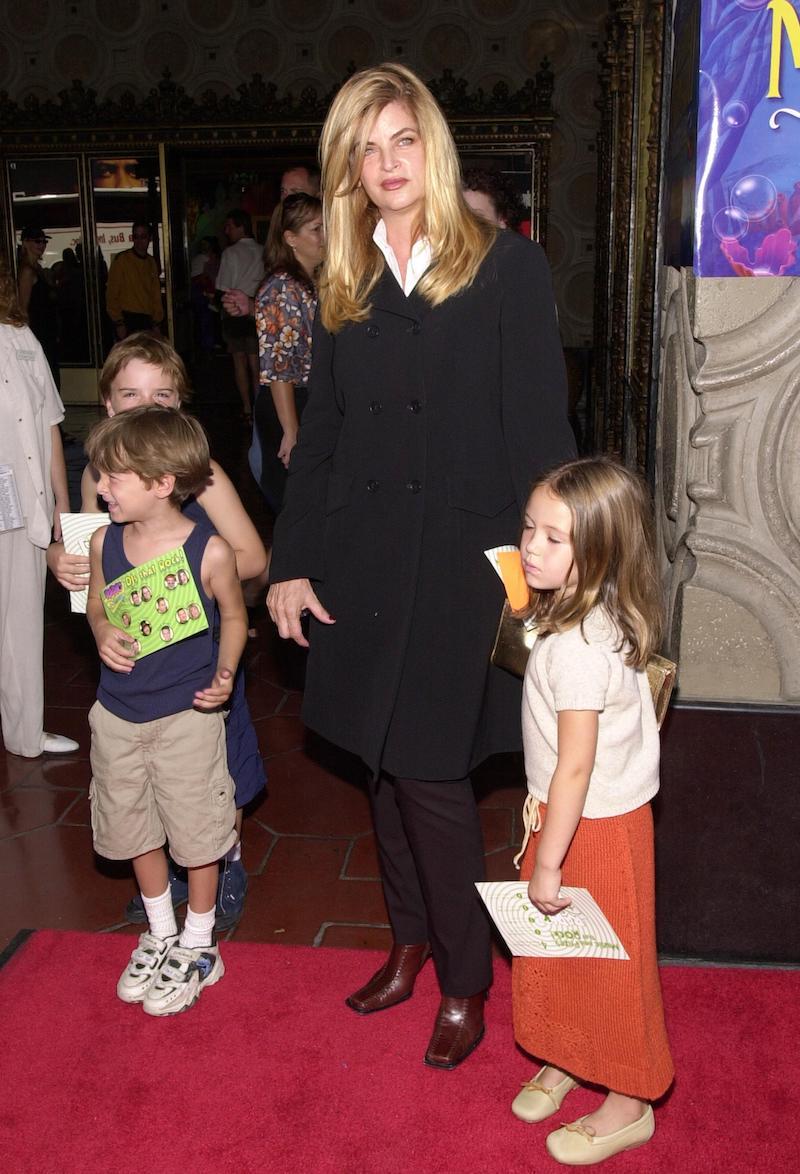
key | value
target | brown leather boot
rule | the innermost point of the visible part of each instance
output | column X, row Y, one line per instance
column 393, row 983
column 457, row 1032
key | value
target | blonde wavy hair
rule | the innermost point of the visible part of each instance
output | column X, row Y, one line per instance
column 614, row 551
column 458, row 238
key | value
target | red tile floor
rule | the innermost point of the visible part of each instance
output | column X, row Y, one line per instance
column 307, row 845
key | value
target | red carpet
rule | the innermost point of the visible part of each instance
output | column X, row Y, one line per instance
column 270, row 1071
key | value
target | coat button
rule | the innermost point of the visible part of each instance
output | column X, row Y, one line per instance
column 413, row 486
column 375, row 407
column 373, row 486
column 415, row 329
column 414, row 406
column 373, row 331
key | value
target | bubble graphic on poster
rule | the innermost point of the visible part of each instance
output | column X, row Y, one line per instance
column 754, row 195
column 752, row 5
column 736, row 113
column 730, row 224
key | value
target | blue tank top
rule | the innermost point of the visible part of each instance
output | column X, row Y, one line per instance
column 166, row 681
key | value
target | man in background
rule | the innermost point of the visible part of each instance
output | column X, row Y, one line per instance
column 133, row 294
column 241, row 267
column 302, row 178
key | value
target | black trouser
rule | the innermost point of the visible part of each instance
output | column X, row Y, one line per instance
column 270, row 436
column 135, row 322
column 430, row 848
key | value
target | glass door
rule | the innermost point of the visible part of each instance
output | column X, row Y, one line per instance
column 70, row 216
column 49, row 234
column 126, row 190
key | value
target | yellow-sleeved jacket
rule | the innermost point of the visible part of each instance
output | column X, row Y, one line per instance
column 133, row 285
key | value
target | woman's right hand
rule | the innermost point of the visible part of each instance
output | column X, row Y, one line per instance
column 287, row 601
column 71, row 570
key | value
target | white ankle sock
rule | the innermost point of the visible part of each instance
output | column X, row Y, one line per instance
column 198, row 929
column 160, row 915
column 234, row 853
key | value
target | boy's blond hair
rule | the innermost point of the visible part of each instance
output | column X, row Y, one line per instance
column 157, row 352
column 153, row 442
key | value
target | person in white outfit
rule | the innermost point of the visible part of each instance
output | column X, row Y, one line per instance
column 33, row 494
column 241, row 267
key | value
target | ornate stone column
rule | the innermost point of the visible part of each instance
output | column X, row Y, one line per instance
column 728, row 484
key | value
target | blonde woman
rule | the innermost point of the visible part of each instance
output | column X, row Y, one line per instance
column 438, row 390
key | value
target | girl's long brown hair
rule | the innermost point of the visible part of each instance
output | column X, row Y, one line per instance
column 11, row 313
column 613, row 545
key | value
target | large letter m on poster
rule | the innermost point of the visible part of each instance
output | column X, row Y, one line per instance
column 784, row 16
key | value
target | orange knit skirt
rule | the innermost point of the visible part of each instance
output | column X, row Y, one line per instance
column 599, row 1019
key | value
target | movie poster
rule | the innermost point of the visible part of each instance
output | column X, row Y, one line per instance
column 747, row 220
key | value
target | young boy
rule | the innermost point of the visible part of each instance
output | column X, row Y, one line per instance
column 159, row 770
column 145, row 371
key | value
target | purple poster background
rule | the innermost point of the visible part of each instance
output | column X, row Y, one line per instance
column 747, row 220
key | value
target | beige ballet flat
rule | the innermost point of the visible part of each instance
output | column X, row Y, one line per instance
column 537, row 1103
column 578, row 1144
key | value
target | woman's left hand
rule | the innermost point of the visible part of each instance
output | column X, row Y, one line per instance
column 288, row 441
column 543, row 890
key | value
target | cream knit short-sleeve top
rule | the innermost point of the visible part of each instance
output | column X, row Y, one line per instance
column 582, row 669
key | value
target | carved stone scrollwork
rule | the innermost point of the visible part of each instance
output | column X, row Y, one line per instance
column 729, row 485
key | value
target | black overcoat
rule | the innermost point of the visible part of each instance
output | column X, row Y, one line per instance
column 423, row 431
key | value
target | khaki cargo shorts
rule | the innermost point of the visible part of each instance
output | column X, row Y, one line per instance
column 161, row 780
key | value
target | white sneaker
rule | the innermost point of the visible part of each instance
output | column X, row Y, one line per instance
column 58, row 744
column 181, row 978
column 142, row 970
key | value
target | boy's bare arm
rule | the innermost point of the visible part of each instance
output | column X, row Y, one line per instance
column 113, row 645
column 229, row 518
column 221, row 582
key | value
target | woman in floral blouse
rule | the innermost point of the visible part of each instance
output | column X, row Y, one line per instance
column 285, row 306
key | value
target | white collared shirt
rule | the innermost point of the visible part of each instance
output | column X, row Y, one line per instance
column 418, row 262
column 242, row 266
column 29, row 407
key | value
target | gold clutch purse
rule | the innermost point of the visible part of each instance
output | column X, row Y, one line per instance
column 514, row 641
column 661, row 674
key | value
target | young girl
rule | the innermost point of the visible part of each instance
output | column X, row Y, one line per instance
column 591, row 759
